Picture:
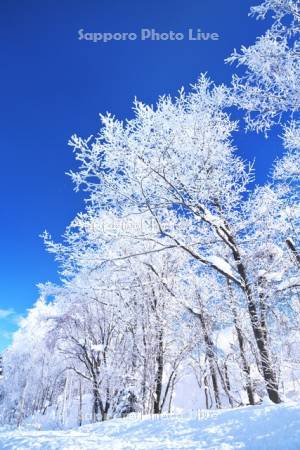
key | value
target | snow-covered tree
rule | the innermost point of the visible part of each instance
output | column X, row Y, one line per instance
column 178, row 264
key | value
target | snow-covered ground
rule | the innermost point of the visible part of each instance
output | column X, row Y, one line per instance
column 266, row 427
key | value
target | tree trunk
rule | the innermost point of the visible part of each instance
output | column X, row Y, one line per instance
column 293, row 249
column 97, row 405
column 226, row 383
column 260, row 338
column 80, row 405
column 171, row 393
column 159, row 374
column 211, row 360
column 206, row 390
column 245, row 365
column 265, row 360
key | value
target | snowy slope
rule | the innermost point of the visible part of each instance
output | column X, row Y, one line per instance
column 266, row 427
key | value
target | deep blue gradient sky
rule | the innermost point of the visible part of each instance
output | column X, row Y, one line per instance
column 53, row 85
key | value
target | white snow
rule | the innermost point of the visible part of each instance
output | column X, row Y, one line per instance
column 271, row 276
column 225, row 339
column 97, row 347
column 265, row 427
column 221, row 264
column 289, row 283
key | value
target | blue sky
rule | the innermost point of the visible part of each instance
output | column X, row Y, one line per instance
column 53, row 85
